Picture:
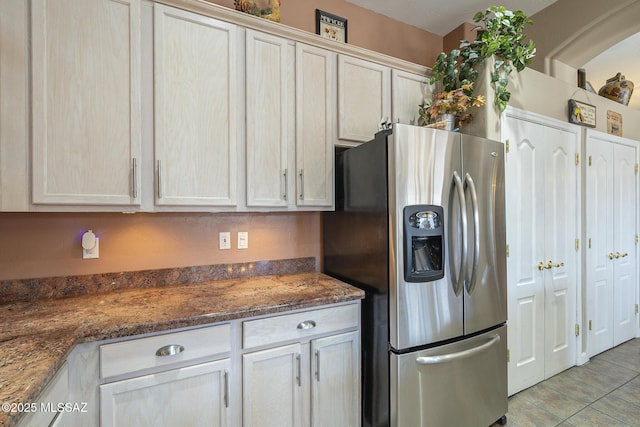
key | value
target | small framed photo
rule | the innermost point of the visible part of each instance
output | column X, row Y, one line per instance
column 331, row 26
column 582, row 114
column 614, row 123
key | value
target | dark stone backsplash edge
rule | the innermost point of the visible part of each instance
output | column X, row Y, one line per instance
column 67, row 286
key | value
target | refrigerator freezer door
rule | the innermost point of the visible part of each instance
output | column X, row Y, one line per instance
column 422, row 166
column 463, row 384
column 486, row 277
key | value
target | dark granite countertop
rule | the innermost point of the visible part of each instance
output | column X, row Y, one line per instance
column 36, row 336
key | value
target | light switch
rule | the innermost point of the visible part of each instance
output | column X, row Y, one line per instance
column 243, row 240
column 225, row 240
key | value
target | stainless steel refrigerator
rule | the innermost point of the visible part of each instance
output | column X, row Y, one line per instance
column 419, row 225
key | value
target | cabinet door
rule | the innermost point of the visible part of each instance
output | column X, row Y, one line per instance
column 272, row 383
column 315, row 118
column 192, row 396
column 86, row 101
column 195, row 109
column 335, row 382
column 14, row 113
column 363, row 98
column 267, row 92
column 408, row 91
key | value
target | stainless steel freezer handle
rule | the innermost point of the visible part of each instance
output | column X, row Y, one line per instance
column 452, row 357
column 458, row 280
column 468, row 182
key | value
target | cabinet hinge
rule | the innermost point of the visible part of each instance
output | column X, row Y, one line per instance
column 636, row 169
column 577, row 159
column 577, row 244
column 508, row 250
column 590, row 325
column 589, row 242
column 636, row 309
column 589, row 160
column 508, row 355
column 636, row 239
column 577, row 330
column 506, row 146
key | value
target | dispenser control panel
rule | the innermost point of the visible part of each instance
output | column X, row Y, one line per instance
column 423, row 243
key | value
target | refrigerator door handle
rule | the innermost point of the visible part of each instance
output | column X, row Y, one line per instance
column 458, row 281
column 468, row 182
column 453, row 357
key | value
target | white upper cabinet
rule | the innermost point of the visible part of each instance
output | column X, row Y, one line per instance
column 14, row 115
column 267, row 89
column 408, row 91
column 315, row 125
column 364, row 98
column 196, row 109
column 86, row 102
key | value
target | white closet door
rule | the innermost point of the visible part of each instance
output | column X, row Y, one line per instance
column 625, row 211
column 524, row 168
column 600, row 243
column 561, row 229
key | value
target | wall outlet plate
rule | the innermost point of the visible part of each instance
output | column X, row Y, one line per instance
column 225, row 240
column 243, row 240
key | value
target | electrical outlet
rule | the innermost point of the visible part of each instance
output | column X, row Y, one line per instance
column 225, row 240
column 243, row 240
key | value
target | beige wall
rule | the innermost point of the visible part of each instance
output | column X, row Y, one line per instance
column 366, row 29
column 48, row 244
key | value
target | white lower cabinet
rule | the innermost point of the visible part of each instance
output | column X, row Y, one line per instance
column 171, row 394
column 191, row 396
column 311, row 382
column 46, row 410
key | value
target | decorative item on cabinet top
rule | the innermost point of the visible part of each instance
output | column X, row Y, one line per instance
column 499, row 35
column 331, row 26
column 617, row 89
column 582, row 114
column 267, row 9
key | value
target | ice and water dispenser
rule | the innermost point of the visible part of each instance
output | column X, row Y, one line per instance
column 424, row 243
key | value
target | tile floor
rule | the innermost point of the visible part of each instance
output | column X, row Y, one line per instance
column 603, row 392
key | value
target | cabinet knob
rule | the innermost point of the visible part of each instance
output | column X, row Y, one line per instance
column 169, row 350
column 307, row 324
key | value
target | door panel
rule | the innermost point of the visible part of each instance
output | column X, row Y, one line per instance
column 425, row 161
column 524, row 170
column 560, row 231
column 486, row 283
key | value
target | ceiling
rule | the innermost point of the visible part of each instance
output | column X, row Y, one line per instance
column 441, row 17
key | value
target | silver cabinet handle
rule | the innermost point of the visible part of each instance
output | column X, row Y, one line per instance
column 458, row 280
column 307, row 324
column 468, row 182
column 453, row 357
column 169, row 350
column 159, row 180
column 285, row 184
column 318, row 365
column 134, row 184
column 301, row 184
column 299, row 367
column 226, row 389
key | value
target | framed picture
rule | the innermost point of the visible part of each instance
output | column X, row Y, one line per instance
column 331, row 26
column 582, row 114
column 614, row 123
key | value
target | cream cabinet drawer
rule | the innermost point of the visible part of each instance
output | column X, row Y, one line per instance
column 299, row 325
column 160, row 350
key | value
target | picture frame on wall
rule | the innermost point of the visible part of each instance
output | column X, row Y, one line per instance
column 331, row 26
